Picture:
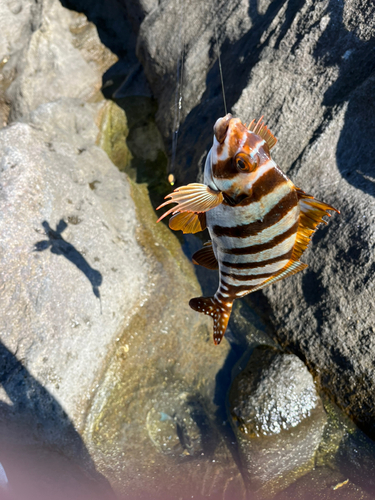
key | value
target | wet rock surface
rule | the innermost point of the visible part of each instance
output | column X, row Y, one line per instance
column 275, row 392
column 278, row 418
column 323, row 484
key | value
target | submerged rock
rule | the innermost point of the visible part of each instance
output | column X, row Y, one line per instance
column 278, row 417
column 323, row 484
column 275, row 392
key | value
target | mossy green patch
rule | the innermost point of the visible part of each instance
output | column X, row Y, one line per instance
column 113, row 133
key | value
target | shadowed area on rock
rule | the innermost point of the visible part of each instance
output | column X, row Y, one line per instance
column 42, row 453
column 354, row 55
column 237, row 60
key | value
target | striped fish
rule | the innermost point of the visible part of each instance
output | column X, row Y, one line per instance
column 259, row 222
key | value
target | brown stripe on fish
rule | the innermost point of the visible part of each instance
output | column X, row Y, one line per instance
column 287, row 203
column 268, row 233
column 275, row 251
column 247, row 277
column 265, row 184
column 271, row 268
column 224, row 169
column 255, row 265
column 238, row 290
column 264, row 246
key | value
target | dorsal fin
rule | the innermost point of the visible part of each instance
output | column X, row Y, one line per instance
column 188, row 222
column 205, row 257
column 311, row 215
column 263, row 131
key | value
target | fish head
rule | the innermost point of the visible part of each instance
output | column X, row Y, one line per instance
column 234, row 159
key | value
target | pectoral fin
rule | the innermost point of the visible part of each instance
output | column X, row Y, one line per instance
column 188, row 222
column 205, row 257
column 192, row 198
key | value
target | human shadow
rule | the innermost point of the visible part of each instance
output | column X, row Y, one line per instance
column 34, row 428
column 59, row 246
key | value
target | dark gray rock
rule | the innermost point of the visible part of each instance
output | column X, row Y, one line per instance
column 308, row 67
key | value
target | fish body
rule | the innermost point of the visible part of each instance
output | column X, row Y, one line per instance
column 259, row 222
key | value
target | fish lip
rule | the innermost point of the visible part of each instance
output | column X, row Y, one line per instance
column 235, row 201
column 221, row 127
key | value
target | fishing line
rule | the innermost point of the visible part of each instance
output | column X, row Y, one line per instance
column 220, row 68
column 178, row 97
column 179, row 85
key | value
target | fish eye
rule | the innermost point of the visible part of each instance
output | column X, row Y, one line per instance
column 241, row 164
column 244, row 164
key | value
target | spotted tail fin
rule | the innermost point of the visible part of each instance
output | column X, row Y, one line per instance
column 219, row 311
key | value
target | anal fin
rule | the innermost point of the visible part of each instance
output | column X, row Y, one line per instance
column 290, row 269
column 205, row 257
column 219, row 311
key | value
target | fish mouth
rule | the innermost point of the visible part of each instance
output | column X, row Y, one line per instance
column 233, row 201
column 221, row 127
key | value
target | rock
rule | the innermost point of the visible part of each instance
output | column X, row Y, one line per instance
column 323, row 484
column 18, row 19
column 113, row 133
column 64, row 58
column 86, row 272
column 274, row 393
column 57, row 203
column 355, row 459
column 278, row 417
column 308, row 67
column 149, row 161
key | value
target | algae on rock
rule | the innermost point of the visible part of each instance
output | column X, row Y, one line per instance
column 113, row 131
